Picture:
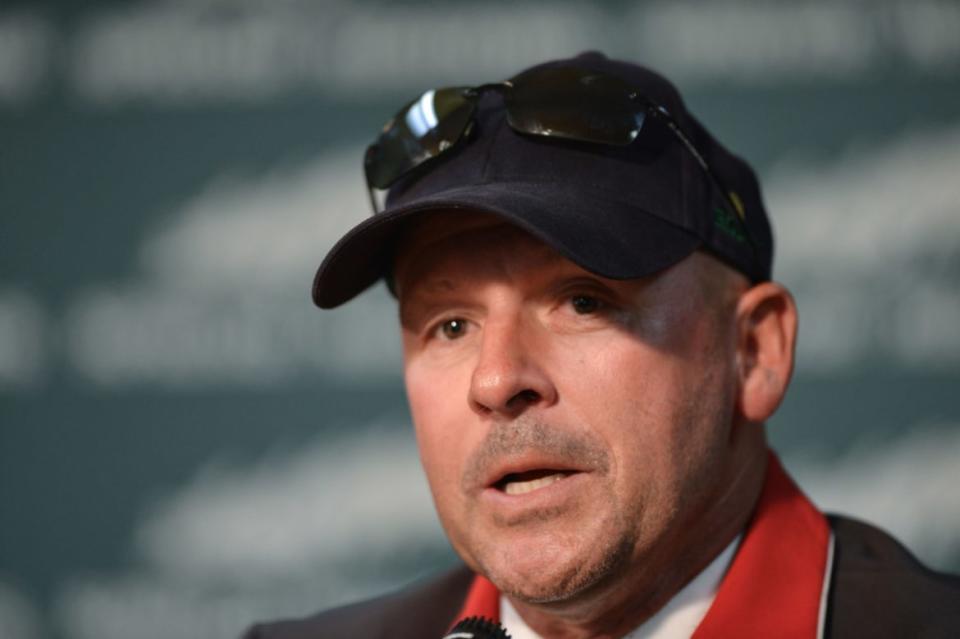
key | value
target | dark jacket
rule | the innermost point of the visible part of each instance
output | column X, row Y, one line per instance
column 878, row 589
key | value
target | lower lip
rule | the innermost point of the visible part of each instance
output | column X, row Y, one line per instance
column 551, row 495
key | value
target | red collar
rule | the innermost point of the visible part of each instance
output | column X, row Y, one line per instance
column 773, row 587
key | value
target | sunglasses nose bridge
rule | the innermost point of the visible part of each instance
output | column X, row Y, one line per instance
column 477, row 91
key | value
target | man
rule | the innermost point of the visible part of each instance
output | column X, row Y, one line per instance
column 592, row 344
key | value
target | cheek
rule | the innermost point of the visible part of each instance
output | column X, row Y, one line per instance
column 658, row 408
column 440, row 424
column 626, row 389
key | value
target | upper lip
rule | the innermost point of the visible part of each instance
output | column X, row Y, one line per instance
column 526, row 463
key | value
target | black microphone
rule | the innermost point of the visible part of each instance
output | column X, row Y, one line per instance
column 477, row 628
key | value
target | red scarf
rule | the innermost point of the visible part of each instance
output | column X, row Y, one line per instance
column 774, row 585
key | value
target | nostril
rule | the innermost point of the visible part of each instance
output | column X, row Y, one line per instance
column 525, row 396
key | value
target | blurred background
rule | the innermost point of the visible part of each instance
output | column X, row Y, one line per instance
column 187, row 445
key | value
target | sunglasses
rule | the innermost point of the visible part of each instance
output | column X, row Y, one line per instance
column 559, row 102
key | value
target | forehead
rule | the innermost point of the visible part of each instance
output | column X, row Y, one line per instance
column 441, row 251
column 460, row 242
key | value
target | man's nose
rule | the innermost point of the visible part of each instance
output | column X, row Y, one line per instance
column 509, row 375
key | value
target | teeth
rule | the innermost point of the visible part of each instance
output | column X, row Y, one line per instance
column 521, row 487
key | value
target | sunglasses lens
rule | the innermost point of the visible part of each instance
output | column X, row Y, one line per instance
column 421, row 130
column 575, row 104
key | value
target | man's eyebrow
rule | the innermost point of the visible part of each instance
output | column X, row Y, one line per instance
column 436, row 285
column 416, row 302
column 425, row 287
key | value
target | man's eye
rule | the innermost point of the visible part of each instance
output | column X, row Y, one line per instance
column 584, row 304
column 453, row 328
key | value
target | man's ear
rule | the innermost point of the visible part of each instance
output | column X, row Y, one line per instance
column 766, row 338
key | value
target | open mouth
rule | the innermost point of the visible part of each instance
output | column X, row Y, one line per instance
column 530, row 480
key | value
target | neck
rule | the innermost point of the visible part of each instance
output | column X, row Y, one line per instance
column 629, row 598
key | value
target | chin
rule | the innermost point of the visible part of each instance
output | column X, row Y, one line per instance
column 552, row 573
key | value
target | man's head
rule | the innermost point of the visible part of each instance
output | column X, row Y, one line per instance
column 591, row 342
column 580, row 432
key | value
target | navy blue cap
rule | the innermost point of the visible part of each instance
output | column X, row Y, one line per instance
column 617, row 211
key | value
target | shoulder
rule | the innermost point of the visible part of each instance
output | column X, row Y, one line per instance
column 878, row 588
column 425, row 609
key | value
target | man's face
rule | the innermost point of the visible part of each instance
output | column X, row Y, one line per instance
column 574, row 429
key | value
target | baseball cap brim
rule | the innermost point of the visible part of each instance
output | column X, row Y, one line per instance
column 607, row 237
